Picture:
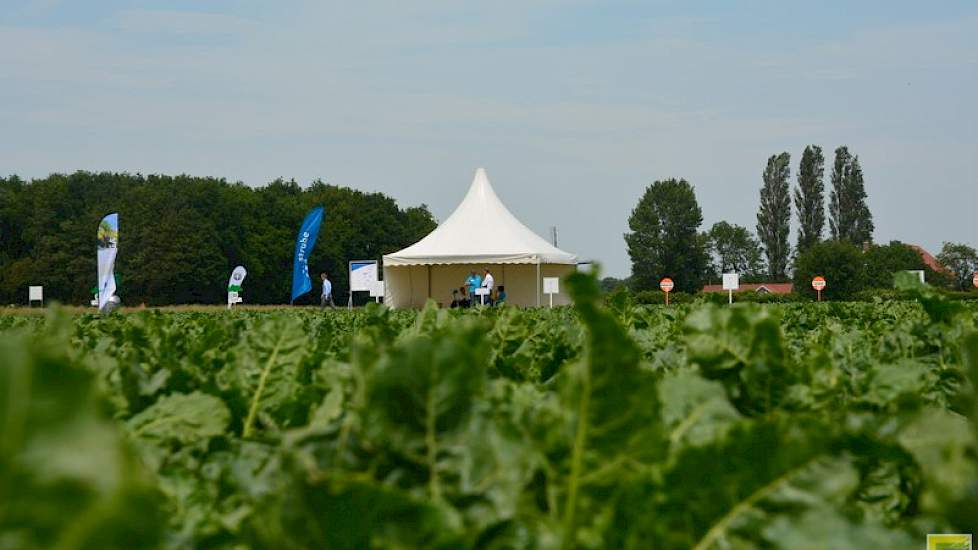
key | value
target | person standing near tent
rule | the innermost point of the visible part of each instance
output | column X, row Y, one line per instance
column 327, row 295
column 488, row 282
column 473, row 281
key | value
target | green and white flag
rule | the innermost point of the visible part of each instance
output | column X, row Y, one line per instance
column 107, row 245
column 237, row 277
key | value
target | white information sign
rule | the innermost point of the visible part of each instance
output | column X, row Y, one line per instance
column 234, row 298
column 551, row 285
column 919, row 273
column 363, row 275
column 731, row 281
column 377, row 290
column 35, row 293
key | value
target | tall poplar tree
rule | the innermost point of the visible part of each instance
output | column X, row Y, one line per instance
column 774, row 216
column 810, row 198
column 849, row 215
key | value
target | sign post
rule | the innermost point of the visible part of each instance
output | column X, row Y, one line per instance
column 35, row 294
column 551, row 286
column 377, row 291
column 363, row 277
column 666, row 285
column 818, row 283
column 731, row 282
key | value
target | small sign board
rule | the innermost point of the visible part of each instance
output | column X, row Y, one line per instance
column 818, row 283
column 377, row 289
column 974, row 280
column 666, row 285
column 731, row 281
column 551, row 285
column 919, row 273
column 363, row 275
column 35, row 293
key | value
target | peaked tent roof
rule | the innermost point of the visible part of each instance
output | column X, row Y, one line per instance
column 480, row 230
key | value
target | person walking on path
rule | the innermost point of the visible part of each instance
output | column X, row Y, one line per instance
column 327, row 295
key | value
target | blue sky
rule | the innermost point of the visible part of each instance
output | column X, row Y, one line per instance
column 572, row 107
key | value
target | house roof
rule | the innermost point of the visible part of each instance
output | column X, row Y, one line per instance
column 480, row 230
column 931, row 261
column 773, row 288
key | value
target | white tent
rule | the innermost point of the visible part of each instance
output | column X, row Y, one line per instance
column 481, row 233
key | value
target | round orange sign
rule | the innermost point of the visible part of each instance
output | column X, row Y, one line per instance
column 666, row 284
column 974, row 280
column 818, row 283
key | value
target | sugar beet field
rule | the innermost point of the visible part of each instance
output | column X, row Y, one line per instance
column 603, row 425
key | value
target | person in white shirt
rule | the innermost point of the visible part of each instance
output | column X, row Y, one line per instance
column 488, row 282
column 327, row 296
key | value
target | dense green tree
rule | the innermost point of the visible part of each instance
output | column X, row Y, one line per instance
column 841, row 263
column 810, row 198
column 774, row 215
column 733, row 249
column 884, row 261
column 181, row 236
column 663, row 241
column 611, row 284
column 962, row 260
column 849, row 215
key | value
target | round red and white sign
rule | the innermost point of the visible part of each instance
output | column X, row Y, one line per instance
column 666, row 284
column 818, row 283
column 974, row 280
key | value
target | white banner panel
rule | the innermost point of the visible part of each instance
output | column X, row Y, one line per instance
column 731, row 281
column 35, row 293
column 108, row 245
column 551, row 285
column 363, row 275
column 377, row 290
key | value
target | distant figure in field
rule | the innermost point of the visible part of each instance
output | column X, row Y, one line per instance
column 456, row 301
column 501, row 295
column 473, row 282
column 327, row 295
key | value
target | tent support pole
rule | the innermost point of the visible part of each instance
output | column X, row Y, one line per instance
column 538, row 282
column 429, row 282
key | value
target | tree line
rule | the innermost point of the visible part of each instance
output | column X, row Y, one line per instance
column 180, row 236
column 665, row 238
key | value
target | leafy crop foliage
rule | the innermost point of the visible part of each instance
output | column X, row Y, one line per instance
column 605, row 425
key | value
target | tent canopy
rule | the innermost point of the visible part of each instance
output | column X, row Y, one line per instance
column 480, row 231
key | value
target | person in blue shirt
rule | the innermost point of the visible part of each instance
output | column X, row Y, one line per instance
column 473, row 281
column 327, row 295
column 501, row 295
